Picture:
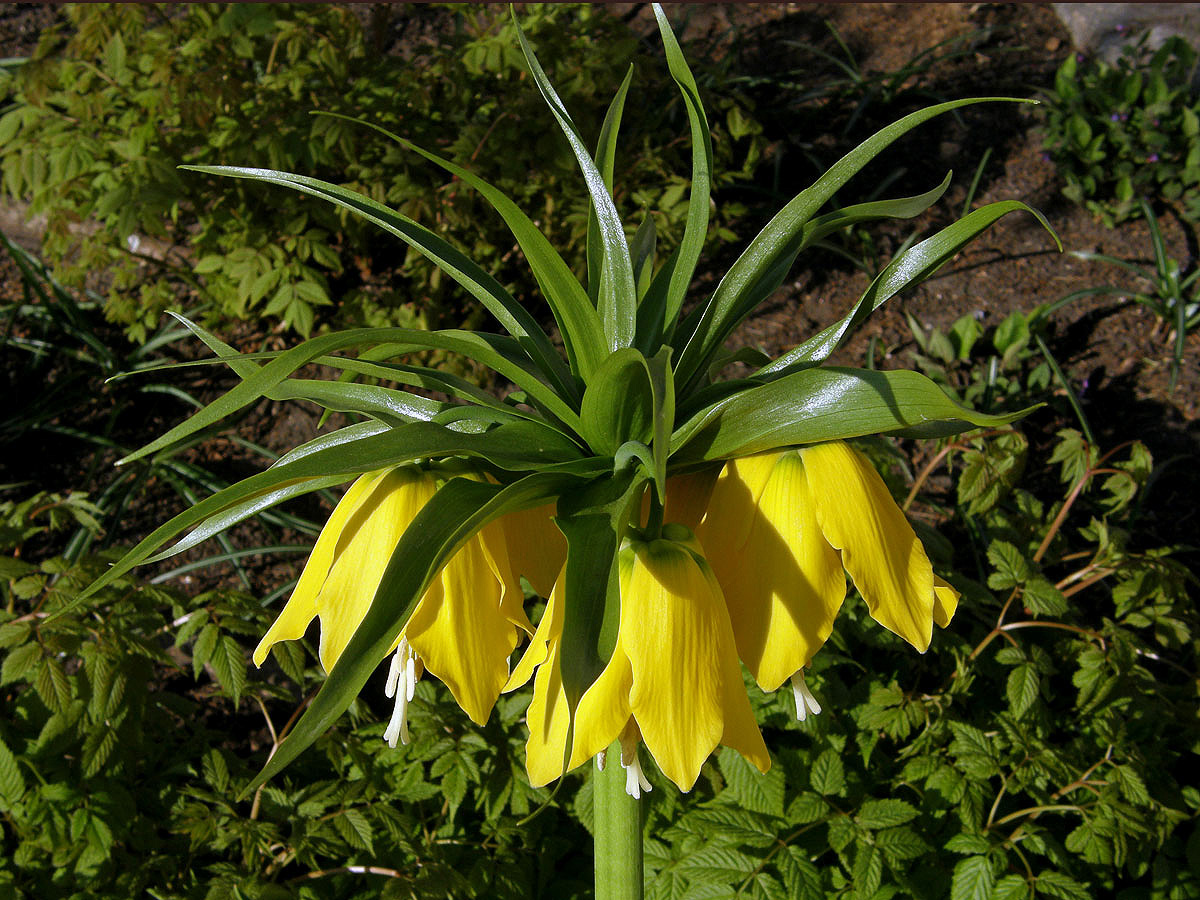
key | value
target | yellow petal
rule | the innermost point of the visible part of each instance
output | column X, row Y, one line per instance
column 536, row 548
column 301, row 607
column 879, row 548
column 945, row 601
column 462, row 635
column 784, row 587
column 676, row 633
column 364, row 547
column 549, row 629
column 547, row 718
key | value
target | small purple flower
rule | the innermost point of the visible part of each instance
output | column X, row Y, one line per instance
column 1045, row 157
column 1119, row 28
column 1153, row 157
column 1079, row 57
column 1115, row 117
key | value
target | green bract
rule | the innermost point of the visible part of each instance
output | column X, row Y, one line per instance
column 631, row 402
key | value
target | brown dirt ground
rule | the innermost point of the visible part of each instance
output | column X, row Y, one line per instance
column 1113, row 350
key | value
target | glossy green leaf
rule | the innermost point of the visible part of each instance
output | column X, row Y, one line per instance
column 478, row 346
column 765, row 262
column 606, row 157
column 898, row 208
column 456, row 512
column 909, row 268
column 696, row 227
column 824, row 404
column 618, row 405
column 517, row 446
column 239, row 512
column 617, row 298
column 486, row 289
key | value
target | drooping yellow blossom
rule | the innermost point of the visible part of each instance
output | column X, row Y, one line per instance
column 778, row 530
column 466, row 624
column 673, row 678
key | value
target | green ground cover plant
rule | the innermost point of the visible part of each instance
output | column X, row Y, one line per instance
column 1120, row 133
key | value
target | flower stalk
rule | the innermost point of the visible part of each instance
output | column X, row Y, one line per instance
column 617, row 826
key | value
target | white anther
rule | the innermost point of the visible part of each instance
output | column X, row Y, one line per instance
column 404, row 664
column 635, row 778
column 806, row 703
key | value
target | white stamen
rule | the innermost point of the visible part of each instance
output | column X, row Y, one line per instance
column 806, row 703
column 635, row 778
column 393, row 676
column 403, row 665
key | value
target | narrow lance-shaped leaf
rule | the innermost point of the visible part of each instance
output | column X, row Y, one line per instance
column 696, row 228
column 274, row 372
column 825, row 404
column 911, row 267
column 617, row 299
column 606, row 157
column 516, row 446
column 568, row 301
column 761, row 267
column 486, row 289
column 459, row 509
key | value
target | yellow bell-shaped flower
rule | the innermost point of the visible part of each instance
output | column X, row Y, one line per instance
column 778, row 530
column 466, row 624
column 673, row 677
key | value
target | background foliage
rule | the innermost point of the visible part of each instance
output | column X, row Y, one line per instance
column 1124, row 132
column 1042, row 750
column 97, row 122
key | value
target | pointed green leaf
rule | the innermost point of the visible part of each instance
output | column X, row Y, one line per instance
column 516, row 446
column 478, row 346
column 617, row 298
column 606, row 156
column 824, row 404
column 909, row 268
column 696, row 228
column 593, row 519
column 765, row 262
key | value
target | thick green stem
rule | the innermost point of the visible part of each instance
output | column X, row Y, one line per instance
column 618, row 827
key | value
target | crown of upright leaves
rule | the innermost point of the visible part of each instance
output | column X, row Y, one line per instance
column 632, row 400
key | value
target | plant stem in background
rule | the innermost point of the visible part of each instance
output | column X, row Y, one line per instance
column 618, row 832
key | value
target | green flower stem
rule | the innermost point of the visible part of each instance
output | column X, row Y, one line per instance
column 618, row 832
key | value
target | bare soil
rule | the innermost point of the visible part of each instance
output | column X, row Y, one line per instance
column 1114, row 351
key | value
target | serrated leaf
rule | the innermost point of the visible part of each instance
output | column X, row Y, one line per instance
column 875, row 814
column 868, row 870
column 1022, row 688
column 827, row 775
column 1009, row 564
column 97, row 748
column 750, row 788
column 969, row 844
column 901, row 843
column 18, row 663
column 362, row 828
column 1011, row 887
column 12, row 783
column 973, row 879
column 808, row 807
column 1056, row 884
